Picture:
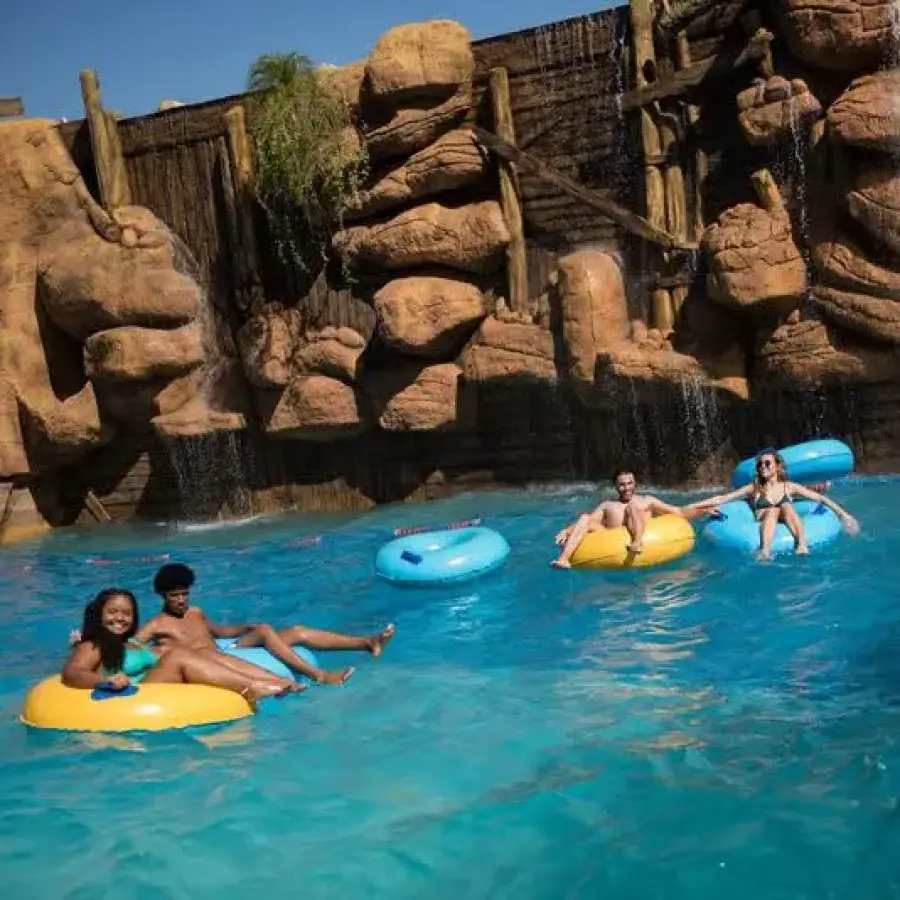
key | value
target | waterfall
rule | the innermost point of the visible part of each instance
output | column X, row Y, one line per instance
column 702, row 417
column 212, row 470
column 213, row 474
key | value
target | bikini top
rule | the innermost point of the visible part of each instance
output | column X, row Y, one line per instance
column 762, row 502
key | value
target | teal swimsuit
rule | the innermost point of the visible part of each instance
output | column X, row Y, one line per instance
column 138, row 661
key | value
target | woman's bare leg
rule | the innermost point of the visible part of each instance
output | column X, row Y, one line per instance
column 184, row 667
column 767, row 524
column 795, row 526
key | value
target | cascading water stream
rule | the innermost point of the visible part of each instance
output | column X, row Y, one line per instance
column 211, row 469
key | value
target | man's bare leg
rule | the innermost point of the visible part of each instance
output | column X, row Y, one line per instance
column 576, row 536
column 636, row 522
column 236, row 664
column 266, row 636
column 314, row 639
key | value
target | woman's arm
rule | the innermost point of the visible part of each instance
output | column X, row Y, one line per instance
column 713, row 502
column 848, row 521
column 82, row 668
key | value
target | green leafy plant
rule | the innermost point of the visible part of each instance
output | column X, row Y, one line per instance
column 308, row 162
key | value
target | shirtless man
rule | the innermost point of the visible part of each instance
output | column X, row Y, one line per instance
column 183, row 625
column 632, row 510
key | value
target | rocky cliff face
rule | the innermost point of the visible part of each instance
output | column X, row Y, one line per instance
column 102, row 318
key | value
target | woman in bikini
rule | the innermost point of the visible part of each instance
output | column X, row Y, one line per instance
column 771, row 497
column 107, row 653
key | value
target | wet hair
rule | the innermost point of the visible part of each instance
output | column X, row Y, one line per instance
column 111, row 646
column 622, row 470
column 173, row 577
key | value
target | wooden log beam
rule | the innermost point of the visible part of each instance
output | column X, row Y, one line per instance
column 680, row 12
column 11, row 106
column 757, row 50
column 676, row 84
column 121, row 191
column 516, row 261
column 629, row 221
column 107, row 154
column 96, row 508
column 641, row 15
column 768, row 192
column 248, row 282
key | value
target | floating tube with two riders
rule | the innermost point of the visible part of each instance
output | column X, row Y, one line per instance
column 736, row 527
column 147, row 707
column 668, row 537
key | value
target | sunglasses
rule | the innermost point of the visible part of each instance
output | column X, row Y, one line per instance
column 765, row 464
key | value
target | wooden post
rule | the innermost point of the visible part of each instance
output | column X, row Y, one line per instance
column 676, row 190
column 248, row 283
column 641, row 11
column 701, row 173
column 93, row 505
column 516, row 261
column 624, row 218
column 768, row 192
column 107, row 151
column 121, row 191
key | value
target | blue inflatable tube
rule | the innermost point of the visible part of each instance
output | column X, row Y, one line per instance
column 442, row 557
column 807, row 463
column 261, row 657
column 737, row 529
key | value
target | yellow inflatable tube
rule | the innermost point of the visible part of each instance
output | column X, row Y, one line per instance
column 665, row 538
column 155, row 707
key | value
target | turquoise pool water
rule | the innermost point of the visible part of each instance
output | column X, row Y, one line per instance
column 717, row 728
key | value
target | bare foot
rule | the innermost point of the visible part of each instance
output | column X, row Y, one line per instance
column 802, row 550
column 763, row 555
column 336, row 678
column 380, row 641
column 635, row 547
column 561, row 564
column 259, row 690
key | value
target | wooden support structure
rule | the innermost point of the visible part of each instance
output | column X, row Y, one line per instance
column 246, row 255
column 757, row 50
column 629, row 221
column 11, row 106
column 97, row 510
column 645, row 72
column 768, row 192
column 674, row 19
column 516, row 261
column 678, row 220
column 107, row 150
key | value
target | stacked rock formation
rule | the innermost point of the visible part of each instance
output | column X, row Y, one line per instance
column 850, row 327
column 421, row 224
column 99, row 327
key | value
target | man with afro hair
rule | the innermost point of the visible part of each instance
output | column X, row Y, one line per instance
column 183, row 625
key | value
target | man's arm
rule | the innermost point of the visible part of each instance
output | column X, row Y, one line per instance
column 222, row 631
column 660, row 508
column 148, row 632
